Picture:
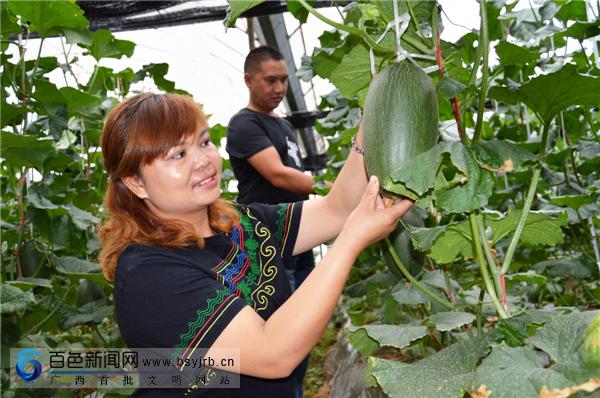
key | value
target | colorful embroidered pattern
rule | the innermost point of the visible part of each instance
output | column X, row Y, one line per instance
column 247, row 271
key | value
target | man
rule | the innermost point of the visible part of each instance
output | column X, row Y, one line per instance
column 264, row 154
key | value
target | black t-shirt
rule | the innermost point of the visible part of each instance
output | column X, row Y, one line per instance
column 185, row 298
column 250, row 132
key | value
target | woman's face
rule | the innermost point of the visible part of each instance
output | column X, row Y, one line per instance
column 187, row 179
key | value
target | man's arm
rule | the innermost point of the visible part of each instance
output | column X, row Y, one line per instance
column 269, row 165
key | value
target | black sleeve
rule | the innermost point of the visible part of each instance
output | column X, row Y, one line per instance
column 246, row 136
column 165, row 299
column 283, row 220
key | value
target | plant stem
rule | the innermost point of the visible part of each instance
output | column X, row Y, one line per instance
column 479, row 312
column 412, row 279
column 526, row 206
column 484, row 44
column 50, row 315
column 489, row 257
column 489, row 286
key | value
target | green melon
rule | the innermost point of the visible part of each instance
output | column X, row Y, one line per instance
column 590, row 348
column 400, row 119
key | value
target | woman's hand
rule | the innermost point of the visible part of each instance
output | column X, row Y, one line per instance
column 373, row 218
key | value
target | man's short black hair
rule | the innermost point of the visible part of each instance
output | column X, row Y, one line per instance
column 260, row 55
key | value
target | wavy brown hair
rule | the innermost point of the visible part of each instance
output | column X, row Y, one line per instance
column 136, row 132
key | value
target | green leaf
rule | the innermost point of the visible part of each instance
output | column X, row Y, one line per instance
column 49, row 17
column 529, row 277
column 93, row 312
column 361, row 341
column 561, row 268
column 79, row 37
column 82, row 219
column 8, row 22
column 11, row 114
column 80, row 103
column 105, row 45
column 454, row 241
column 237, row 8
column 305, row 72
column 573, row 201
column 29, row 283
column 48, row 97
column 502, row 156
column 158, row 72
column 13, row 299
column 560, row 338
column 449, row 88
column 511, row 54
column 409, row 295
column 581, row 30
column 298, row 10
column 26, row 150
column 539, row 228
column 325, row 60
column 419, row 174
column 572, row 11
column 445, row 321
column 354, row 72
column 443, row 374
column 423, row 238
column 397, row 336
column 521, row 366
column 549, row 94
column 76, row 269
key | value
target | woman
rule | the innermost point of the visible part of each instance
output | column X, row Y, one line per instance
column 193, row 271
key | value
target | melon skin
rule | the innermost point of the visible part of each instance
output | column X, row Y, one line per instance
column 590, row 348
column 400, row 119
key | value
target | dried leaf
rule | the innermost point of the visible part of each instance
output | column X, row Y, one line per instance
column 507, row 167
column 590, row 386
column 481, row 392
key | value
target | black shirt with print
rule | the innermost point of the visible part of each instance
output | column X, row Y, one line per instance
column 250, row 132
column 183, row 299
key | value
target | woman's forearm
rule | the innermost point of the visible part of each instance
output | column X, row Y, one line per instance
column 350, row 184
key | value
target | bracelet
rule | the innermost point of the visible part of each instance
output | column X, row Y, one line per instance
column 358, row 149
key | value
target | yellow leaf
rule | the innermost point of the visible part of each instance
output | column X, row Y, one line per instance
column 508, row 166
column 481, row 392
column 591, row 385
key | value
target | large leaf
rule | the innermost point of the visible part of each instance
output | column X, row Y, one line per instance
column 549, row 94
column 454, row 241
column 445, row 321
column 511, row 54
column 560, row 338
column 447, row 242
column 49, row 17
column 105, row 45
column 237, row 8
column 80, row 103
column 502, row 156
column 409, row 295
column 298, row 10
column 581, row 30
column 562, row 268
column 25, row 150
column 158, row 72
column 471, row 186
column 539, row 229
column 76, row 269
column 11, row 114
column 446, row 373
column 48, row 97
column 93, row 312
column 14, row 299
column 573, row 201
column 397, row 336
column 521, row 366
column 354, row 72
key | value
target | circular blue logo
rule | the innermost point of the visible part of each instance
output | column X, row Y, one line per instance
column 28, row 367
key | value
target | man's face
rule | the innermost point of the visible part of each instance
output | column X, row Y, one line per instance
column 268, row 84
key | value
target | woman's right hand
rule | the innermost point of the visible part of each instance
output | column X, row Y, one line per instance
column 373, row 218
